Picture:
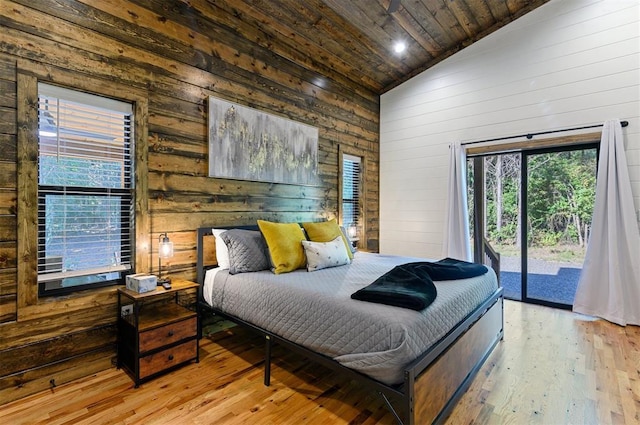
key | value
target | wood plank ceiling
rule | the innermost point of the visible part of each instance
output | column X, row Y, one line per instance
column 355, row 38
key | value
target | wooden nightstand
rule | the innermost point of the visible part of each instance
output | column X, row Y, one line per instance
column 155, row 332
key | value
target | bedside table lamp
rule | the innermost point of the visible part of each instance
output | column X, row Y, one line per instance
column 165, row 250
column 352, row 231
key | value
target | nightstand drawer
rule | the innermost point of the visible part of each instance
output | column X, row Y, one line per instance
column 167, row 358
column 160, row 331
column 168, row 334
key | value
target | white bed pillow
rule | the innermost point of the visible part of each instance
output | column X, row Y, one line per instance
column 222, row 252
column 322, row 255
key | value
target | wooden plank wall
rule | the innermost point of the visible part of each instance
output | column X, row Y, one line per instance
column 177, row 53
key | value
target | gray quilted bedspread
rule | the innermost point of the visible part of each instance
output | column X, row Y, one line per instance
column 314, row 309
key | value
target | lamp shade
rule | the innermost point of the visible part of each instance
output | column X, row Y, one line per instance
column 165, row 250
column 165, row 247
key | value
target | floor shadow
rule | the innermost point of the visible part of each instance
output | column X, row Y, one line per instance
column 325, row 387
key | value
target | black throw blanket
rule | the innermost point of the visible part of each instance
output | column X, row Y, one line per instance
column 411, row 285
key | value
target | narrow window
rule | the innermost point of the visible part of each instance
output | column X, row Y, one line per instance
column 351, row 185
column 85, row 193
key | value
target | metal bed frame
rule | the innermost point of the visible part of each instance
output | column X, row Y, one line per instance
column 433, row 382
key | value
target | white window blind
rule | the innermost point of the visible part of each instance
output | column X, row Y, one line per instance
column 350, row 190
column 84, row 187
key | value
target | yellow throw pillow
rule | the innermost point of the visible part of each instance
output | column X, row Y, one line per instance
column 284, row 241
column 326, row 231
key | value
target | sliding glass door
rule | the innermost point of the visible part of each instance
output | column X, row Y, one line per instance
column 534, row 207
column 559, row 186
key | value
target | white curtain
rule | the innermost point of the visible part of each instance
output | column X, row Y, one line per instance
column 456, row 230
column 609, row 285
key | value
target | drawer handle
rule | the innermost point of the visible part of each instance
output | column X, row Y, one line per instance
column 170, row 333
column 170, row 357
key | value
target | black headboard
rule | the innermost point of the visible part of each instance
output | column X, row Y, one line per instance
column 201, row 268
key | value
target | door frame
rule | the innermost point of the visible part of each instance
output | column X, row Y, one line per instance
column 529, row 149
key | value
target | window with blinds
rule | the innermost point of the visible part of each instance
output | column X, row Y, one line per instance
column 85, row 197
column 351, row 166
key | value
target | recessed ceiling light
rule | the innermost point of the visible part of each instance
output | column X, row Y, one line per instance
column 399, row 47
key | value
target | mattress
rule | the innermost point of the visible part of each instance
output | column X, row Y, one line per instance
column 315, row 310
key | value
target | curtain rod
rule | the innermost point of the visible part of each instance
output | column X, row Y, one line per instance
column 530, row 135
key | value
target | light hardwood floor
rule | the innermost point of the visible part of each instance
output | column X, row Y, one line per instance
column 553, row 367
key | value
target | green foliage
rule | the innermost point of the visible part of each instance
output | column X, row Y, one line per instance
column 545, row 238
column 560, row 197
column 507, row 234
column 82, row 228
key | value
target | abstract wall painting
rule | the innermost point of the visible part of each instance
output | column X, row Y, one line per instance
column 248, row 144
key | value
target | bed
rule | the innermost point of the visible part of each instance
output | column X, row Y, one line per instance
column 419, row 361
